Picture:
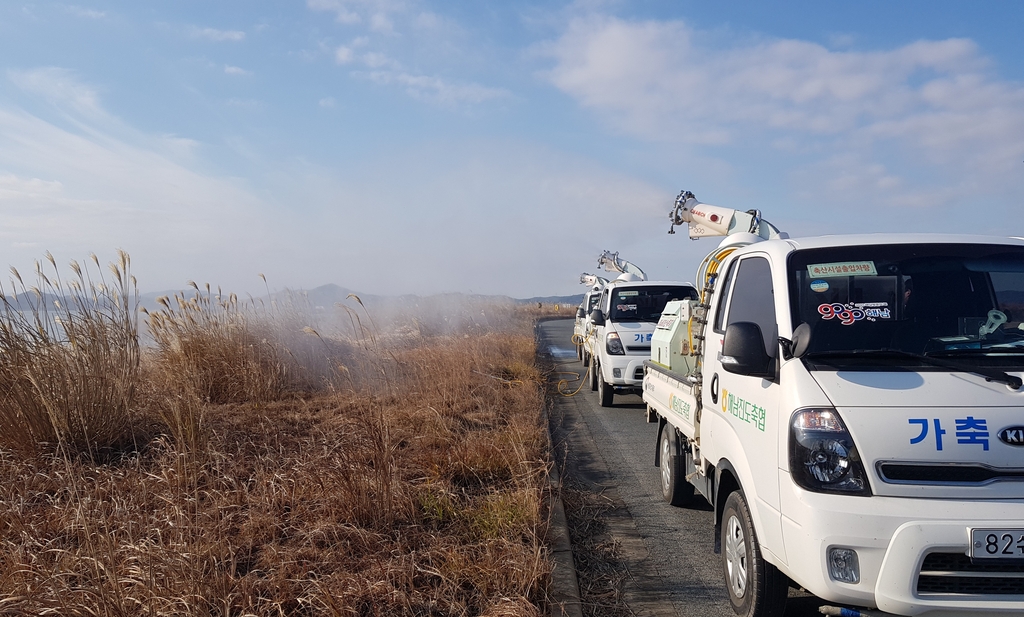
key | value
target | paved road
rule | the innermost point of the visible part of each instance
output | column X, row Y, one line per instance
column 669, row 552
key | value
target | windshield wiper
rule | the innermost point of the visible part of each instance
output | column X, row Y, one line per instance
column 990, row 374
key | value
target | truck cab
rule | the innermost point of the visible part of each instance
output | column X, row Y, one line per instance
column 623, row 321
column 856, row 418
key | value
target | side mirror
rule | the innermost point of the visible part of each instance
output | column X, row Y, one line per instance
column 580, row 313
column 597, row 317
column 743, row 351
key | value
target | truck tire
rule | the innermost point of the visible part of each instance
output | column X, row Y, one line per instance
column 756, row 588
column 674, row 487
column 594, row 368
column 605, row 390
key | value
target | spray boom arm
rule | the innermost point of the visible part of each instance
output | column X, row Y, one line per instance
column 706, row 220
column 612, row 263
column 592, row 280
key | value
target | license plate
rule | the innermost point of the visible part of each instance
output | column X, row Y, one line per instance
column 997, row 544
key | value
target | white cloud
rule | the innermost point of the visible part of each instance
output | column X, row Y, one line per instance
column 213, row 34
column 380, row 22
column 235, row 70
column 343, row 55
column 933, row 103
column 376, row 60
column 435, row 89
column 327, row 101
column 95, row 185
column 59, row 87
column 341, row 13
column 85, row 12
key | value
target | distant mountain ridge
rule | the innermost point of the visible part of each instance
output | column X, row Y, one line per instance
column 328, row 295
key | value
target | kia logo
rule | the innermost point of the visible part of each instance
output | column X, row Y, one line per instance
column 1012, row 435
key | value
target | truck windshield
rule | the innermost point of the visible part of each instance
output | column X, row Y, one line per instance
column 646, row 303
column 962, row 301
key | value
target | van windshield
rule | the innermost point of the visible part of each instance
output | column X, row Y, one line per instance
column 646, row 303
column 940, row 300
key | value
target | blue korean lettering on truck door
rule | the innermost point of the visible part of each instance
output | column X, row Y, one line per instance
column 746, row 406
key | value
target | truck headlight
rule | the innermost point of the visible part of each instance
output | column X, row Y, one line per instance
column 822, row 456
column 614, row 345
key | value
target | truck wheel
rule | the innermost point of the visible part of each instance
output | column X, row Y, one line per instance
column 756, row 587
column 594, row 368
column 674, row 487
column 606, row 390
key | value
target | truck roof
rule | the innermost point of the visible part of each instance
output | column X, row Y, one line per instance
column 646, row 284
column 786, row 246
column 898, row 238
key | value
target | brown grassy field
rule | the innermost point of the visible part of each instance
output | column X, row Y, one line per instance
column 252, row 465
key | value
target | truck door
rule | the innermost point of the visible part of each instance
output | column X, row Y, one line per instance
column 748, row 407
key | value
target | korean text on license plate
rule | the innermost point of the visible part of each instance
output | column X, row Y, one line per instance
column 997, row 544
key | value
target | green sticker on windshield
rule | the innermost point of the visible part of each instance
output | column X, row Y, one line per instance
column 843, row 268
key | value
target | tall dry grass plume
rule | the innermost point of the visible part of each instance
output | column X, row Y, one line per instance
column 409, row 482
column 216, row 349
column 69, row 358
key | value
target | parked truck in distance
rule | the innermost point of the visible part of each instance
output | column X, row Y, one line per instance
column 851, row 407
column 582, row 327
column 623, row 325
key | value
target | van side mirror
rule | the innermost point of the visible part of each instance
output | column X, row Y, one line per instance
column 597, row 317
column 580, row 313
column 743, row 351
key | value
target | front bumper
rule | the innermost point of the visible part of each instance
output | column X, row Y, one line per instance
column 892, row 537
column 630, row 367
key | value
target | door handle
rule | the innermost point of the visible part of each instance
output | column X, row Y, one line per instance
column 714, row 389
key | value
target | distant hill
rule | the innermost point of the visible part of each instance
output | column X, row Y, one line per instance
column 569, row 300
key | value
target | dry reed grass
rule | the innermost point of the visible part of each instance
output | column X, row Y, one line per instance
column 415, row 490
column 69, row 359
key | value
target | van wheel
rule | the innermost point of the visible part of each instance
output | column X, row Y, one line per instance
column 756, row 587
column 594, row 368
column 674, row 487
column 607, row 391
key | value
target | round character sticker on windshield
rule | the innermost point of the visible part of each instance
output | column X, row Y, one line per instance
column 846, row 315
column 819, row 285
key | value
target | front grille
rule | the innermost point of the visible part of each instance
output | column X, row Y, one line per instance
column 638, row 348
column 955, row 573
column 638, row 373
column 946, row 473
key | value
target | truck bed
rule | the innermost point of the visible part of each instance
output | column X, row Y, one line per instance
column 671, row 395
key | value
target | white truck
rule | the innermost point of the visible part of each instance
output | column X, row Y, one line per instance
column 851, row 407
column 623, row 323
column 582, row 327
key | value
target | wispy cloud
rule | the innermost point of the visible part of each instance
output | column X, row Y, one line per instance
column 434, row 89
column 95, row 185
column 59, row 87
column 377, row 15
column 934, row 101
column 235, row 70
column 86, row 12
column 213, row 34
column 344, row 55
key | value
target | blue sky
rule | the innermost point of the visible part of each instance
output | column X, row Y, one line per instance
column 400, row 146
